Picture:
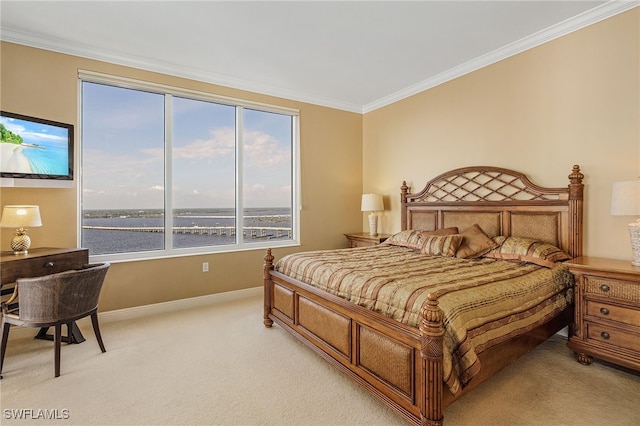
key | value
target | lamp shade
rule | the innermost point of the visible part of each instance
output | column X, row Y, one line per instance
column 371, row 203
column 20, row 217
column 625, row 198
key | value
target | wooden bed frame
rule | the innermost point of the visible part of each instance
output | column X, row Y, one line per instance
column 402, row 365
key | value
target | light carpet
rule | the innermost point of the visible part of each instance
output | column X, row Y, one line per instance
column 217, row 365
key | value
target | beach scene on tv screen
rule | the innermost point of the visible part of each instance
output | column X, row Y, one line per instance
column 28, row 147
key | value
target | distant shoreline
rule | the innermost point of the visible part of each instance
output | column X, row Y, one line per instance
column 190, row 213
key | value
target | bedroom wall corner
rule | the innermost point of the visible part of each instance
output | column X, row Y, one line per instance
column 573, row 100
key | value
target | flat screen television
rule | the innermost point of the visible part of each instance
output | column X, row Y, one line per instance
column 35, row 148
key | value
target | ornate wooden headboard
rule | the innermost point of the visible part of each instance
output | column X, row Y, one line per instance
column 502, row 202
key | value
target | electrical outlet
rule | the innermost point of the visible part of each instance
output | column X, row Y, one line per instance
column 205, row 266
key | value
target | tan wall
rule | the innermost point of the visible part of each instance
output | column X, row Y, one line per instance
column 45, row 84
column 574, row 100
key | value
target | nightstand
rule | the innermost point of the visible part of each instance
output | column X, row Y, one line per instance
column 363, row 239
column 607, row 311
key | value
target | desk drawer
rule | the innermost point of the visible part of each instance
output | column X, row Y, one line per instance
column 37, row 266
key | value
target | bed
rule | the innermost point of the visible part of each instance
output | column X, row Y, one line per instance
column 420, row 352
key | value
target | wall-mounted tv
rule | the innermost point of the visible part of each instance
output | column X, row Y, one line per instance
column 35, row 148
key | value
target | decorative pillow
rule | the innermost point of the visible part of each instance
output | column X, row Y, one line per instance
column 527, row 250
column 409, row 238
column 442, row 245
column 443, row 231
column 475, row 243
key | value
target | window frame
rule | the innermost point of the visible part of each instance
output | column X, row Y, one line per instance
column 240, row 104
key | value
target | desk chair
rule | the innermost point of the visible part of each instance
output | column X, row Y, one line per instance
column 54, row 300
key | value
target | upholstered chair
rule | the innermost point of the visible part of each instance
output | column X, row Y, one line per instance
column 55, row 300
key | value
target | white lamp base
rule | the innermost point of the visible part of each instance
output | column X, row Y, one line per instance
column 373, row 224
column 634, row 233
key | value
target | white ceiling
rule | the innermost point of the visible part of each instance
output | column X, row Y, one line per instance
column 351, row 55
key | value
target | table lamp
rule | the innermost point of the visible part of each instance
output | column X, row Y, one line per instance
column 372, row 203
column 19, row 218
column 625, row 201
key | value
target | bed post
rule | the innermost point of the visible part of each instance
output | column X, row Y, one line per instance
column 576, row 196
column 268, row 286
column 432, row 336
column 404, row 190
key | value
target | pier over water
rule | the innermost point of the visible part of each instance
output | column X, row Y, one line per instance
column 253, row 231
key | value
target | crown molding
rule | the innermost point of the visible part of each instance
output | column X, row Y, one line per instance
column 568, row 26
column 89, row 52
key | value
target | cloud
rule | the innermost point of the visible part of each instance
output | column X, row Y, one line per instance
column 139, row 173
column 263, row 150
column 221, row 143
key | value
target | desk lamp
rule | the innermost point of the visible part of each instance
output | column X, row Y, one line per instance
column 20, row 217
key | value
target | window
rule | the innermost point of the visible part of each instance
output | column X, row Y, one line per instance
column 165, row 171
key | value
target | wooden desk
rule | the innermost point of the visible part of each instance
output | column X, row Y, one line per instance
column 39, row 262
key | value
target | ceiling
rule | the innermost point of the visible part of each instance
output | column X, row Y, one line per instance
column 352, row 55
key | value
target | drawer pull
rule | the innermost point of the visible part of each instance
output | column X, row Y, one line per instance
column 604, row 311
column 49, row 265
column 605, row 335
column 604, row 287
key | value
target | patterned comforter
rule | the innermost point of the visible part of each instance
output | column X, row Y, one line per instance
column 484, row 301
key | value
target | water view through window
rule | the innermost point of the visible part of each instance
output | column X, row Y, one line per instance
column 163, row 172
column 115, row 231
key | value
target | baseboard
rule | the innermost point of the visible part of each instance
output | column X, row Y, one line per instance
column 176, row 305
column 153, row 309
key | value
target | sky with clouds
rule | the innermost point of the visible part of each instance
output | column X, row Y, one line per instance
column 123, row 152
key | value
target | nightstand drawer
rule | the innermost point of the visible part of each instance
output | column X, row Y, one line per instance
column 613, row 336
column 619, row 289
column 359, row 243
column 614, row 313
column 361, row 239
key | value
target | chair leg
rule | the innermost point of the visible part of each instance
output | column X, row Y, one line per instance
column 3, row 348
column 69, row 337
column 96, row 330
column 57, row 337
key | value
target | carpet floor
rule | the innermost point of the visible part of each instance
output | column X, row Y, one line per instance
column 216, row 365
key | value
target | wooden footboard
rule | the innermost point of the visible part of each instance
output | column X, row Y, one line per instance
column 400, row 365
